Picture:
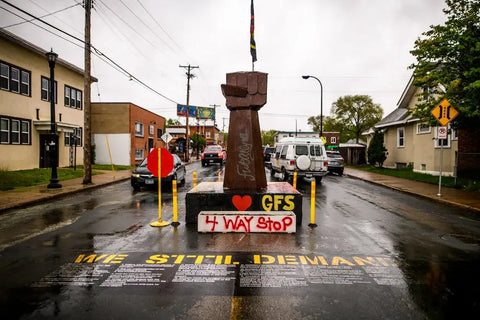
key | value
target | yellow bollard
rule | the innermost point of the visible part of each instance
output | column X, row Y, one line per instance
column 175, row 208
column 312, row 205
column 159, row 223
column 194, row 179
column 295, row 180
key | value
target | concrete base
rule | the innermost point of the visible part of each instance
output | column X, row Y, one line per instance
column 247, row 221
column 210, row 196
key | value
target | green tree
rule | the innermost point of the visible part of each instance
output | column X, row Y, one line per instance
column 172, row 122
column 448, row 63
column 376, row 152
column 355, row 114
column 267, row 137
column 197, row 141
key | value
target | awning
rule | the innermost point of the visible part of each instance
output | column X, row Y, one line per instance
column 45, row 126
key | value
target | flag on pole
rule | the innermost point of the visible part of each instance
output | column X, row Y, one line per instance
column 253, row 46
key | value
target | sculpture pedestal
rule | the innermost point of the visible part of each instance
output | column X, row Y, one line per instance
column 210, row 196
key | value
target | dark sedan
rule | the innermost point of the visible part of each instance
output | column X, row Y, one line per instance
column 142, row 177
column 335, row 162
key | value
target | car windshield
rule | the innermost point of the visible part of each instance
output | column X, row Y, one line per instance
column 213, row 148
column 143, row 163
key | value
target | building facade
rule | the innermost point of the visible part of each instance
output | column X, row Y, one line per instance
column 25, row 106
column 124, row 133
column 414, row 144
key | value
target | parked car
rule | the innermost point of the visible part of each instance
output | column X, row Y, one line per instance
column 142, row 177
column 306, row 156
column 267, row 154
column 335, row 162
column 213, row 154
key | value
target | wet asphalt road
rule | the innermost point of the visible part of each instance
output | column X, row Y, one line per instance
column 376, row 254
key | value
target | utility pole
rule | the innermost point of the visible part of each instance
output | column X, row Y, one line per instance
column 87, row 132
column 189, row 76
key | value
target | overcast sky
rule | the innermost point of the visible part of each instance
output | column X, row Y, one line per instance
column 352, row 46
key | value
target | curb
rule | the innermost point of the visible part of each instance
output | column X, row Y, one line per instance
column 60, row 195
column 447, row 202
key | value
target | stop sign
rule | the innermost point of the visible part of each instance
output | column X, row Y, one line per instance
column 166, row 162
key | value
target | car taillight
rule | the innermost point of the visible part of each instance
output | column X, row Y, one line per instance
column 341, row 159
column 325, row 163
column 292, row 162
column 220, row 155
column 202, row 156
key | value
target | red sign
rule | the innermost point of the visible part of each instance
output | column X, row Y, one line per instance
column 166, row 162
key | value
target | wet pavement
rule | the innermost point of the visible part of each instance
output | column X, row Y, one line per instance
column 377, row 253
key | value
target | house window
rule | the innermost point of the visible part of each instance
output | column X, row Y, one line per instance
column 14, row 79
column 71, row 136
column 138, row 129
column 138, row 154
column 423, row 128
column 151, row 129
column 15, row 132
column 400, row 137
column 454, row 134
column 159, row 133
column 25, row 85
column 25, row 132
column 4, row 130
column 208, row 134
column 4, row 76
column 45, row 89
column 73, row 97
column 333, row 140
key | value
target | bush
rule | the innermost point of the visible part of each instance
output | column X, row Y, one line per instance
column 377, row 153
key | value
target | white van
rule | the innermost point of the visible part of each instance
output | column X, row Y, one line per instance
column 306, row 156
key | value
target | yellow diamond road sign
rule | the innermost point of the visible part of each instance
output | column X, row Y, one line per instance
column 444, row 112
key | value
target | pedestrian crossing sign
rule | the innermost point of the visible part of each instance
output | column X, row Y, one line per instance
column 444, row 112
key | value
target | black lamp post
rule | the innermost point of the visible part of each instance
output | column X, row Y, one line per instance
column 53, row 143
column 321, row 102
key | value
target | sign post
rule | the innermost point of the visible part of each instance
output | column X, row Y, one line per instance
column 444, row 112
column 160, row 167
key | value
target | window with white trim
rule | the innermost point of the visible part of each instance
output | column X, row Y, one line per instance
column 14, row 79
column 333, row 140
column 139, row 154
column 454, row 134
column 423, row 128
column 73, row 97
column 15, row 130
column 4, row 130
column 400, row 137
column 71, row 136
column 45, row 89
column 138, row 129
column 208, row 135
column 159, row 133
column 151, row 129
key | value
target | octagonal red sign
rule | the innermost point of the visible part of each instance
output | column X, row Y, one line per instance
column 166, row 162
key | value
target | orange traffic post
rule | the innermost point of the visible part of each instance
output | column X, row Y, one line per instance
column 194, row 179
column 295, row 180
column 175, row 222
column 312, row 206
column 159, row 223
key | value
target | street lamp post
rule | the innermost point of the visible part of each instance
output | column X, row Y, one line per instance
column 53, row 143
column 321, row 102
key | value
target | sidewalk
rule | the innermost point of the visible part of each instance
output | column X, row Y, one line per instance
column 21, row 197
column 461, row 198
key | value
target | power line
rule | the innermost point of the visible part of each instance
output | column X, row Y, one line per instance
column 98, row 52
column 49, row 14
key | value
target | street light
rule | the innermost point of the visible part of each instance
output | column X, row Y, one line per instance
column 321, row 102
column 53, row 141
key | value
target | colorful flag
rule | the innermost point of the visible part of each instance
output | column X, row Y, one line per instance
column 253, row 46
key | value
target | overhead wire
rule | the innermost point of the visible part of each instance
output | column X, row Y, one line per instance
column 46, row 15
column 95, row 50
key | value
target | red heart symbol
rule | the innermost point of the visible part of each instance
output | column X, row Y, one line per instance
column 242, row 203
